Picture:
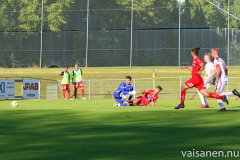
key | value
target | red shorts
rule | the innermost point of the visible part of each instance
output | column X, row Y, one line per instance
column 78, row 85
column 143, row 101
column 65, row 87
column 196, row 81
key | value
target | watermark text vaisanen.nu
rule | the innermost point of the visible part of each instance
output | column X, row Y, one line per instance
column 195, row 153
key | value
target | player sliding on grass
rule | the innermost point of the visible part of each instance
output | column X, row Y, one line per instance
column 221, row 74
column 207, row 79
column 196, row 80
column 148, row 97
column 124, row 93
column 77, row 80
column 65, row 81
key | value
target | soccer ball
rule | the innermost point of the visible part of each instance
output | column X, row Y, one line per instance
column 14, row 103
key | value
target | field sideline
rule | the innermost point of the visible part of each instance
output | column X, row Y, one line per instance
column 95, row 130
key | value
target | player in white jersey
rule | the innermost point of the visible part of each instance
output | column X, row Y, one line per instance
column 208, row 78
column 221, row 75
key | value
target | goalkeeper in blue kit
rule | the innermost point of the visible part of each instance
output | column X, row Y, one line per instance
column 124, row 93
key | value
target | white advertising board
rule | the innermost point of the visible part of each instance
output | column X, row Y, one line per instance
column 31, row 88
column 7, row 89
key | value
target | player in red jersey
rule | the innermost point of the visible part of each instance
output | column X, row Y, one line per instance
column 196, row 80
column 149, row 96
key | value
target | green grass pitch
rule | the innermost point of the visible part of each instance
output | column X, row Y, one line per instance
column 95, row 130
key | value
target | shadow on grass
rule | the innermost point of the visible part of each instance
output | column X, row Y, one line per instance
column 62, row 134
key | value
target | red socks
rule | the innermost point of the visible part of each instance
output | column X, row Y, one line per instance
column 82, row 92
column 183, row 93
column 69, row 94
column 63, row 94
column 212, row 95
column 75, row 92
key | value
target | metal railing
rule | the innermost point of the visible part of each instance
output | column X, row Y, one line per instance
column 104, row 88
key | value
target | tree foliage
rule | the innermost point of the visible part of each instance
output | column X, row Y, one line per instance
column 109, row 26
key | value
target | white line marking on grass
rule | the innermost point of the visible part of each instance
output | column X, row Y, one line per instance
column 90, row 106
column 72, row 107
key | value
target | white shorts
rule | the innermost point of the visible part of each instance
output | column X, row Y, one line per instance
column 220, row 85
column 207, row 85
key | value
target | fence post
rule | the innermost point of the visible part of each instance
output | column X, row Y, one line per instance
column 41, row 38
column 131, row 37
column 87, row 33
column 179, row 35
column 57, row 89
column 180, row 86
column 89, row 92
column 134, row 86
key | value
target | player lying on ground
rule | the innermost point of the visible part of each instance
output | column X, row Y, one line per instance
column 148, row 97
column 65, row 81
column 124, row 92
column 196, row 80
column 207, row 79
column 221, row 75
column 78, row 80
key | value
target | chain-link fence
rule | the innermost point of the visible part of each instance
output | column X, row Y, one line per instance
column 116, row 33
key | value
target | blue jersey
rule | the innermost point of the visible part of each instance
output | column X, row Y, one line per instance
column 123, row 87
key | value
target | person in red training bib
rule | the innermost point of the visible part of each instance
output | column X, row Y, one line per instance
column 196, row 80
column 148, row 97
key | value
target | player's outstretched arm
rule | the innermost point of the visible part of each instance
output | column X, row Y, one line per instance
column 60, row 74
column 82, row 79
column 132, row 92
column 72, row 80
column 211, row 75
column 217, row 74
column 202, row 68
column 186, row 67
column 153, row 104
column 72, row 77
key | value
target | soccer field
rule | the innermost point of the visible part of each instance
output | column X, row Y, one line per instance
column 95, row 130
column 107, row 72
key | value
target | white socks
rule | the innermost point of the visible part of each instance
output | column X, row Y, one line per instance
column 203, row 99
column 226, row 94
column 220, row 102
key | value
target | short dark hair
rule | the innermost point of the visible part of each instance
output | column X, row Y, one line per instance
column 195, row 50
column 129, row 77
column 66, row 67
column 76, row 64
column 159, row 87
column 207, row 54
